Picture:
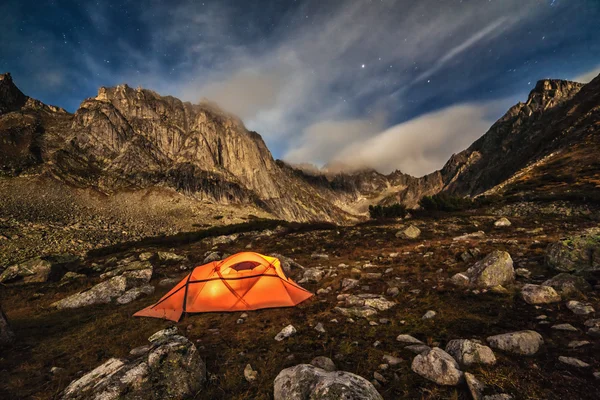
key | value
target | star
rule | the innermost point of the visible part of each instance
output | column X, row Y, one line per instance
column 362, row 66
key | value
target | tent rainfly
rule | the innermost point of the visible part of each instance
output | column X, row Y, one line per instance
column 241, row 282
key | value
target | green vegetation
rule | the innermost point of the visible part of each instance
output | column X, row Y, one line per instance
column 446, row 202
column 396, row 210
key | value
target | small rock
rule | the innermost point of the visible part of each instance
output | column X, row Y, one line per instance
column 317, row 256
column 417, row 348
column 407, row 339
column 475, row 387
column 536, row 294
column 319, row 328
column 379, row 377
column 412, row 232
column 166, row 257
column 523, row 273
column 325, row 363
column 349, row 283
column 577, row 343
column 249, row 373
column 213, row 256
column 575, row 362
column 521, row 342
column 579, row 308
column 502, row 222
column 429, row 314
column 564, row 327
column 391, row 360
column 285, row 333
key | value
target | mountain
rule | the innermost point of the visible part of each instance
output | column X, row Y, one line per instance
column 129, row 139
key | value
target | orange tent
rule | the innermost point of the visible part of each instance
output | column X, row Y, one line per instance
column 243, row 281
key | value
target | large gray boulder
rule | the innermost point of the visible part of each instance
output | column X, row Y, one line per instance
column 523, row 342
column 495, row 269
column 437, row 366
column 287, row 264
column 568, row 285
column 307, row 382
column 468, row 352
column 6, row 334
column 171, row 368
column 576, row 253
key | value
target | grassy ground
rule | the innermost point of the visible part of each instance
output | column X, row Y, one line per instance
column 79, row 340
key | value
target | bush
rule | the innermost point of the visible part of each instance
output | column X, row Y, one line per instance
column 446, row 202
column 396, row 210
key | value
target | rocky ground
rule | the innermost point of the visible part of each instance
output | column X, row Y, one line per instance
column 414, row 308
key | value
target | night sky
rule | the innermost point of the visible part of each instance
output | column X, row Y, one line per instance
column 382, row 83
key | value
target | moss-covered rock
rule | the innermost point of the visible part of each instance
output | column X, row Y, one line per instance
column 579, row 254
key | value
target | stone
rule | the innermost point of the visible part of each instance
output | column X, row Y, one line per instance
column 408, row 339
column 575, row 344
column 129, row 268
column 417, row 348
column 7, row 336
column 574, row 362
column 249, row 373
column 429, row 314
column 213, row 256
column 170, row 369
column 502, row 222
column 467, row 352
column 285, row 333
column 379, row 377
column 312, row 275
column 287, row 264
column 34, row 270
column 323, row 362
column 568, row 285
column 495, row 269
column 317, row 256
column 499, row 289
column 359, row 312
column 349, row 283
column 437, row 366
column 579, row 253
column 168, row 282
column 468, row 236
column 564, row 327
column 72, row 276
column 166, row 257
column 320, row 328
column 412, row 232
column 537, row 294
column 521, row 342
column 135, row 293
column 146, row 256
column 392, row 291
column 476, row 388
column 138, row 351
column 305, row 381
column 592, row 323
column 594, row 332
column 502, row 396
column 392, row 360
column 523, row 273
column 101, row 293
column 579, row 308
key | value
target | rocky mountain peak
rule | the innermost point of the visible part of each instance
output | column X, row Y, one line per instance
column 11, row 98
column 549, row 93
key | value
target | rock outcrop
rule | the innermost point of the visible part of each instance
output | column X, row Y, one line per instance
column 495, row 269
column 579, row 254
column 170, row 368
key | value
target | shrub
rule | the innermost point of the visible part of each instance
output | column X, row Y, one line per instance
column 446, row 202
column 396, row 210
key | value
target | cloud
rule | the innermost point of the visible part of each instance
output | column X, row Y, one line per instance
column 417, row 147
column 588, row 76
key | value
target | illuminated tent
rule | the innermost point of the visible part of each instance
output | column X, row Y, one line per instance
column 241, row 282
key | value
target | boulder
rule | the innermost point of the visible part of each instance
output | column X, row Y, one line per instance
column 476, row 388
column 538, row 294
column 437, row 366
column 126, row 267
column 568, row 285
column 34, row 270
column 468, row 352
column 495, row 269
column 349, row 283
column 579, row 253
column 521, row 342
column 312, row 275
column 6, row 333
column 170, row 369
column 323, row 362
column 307, row 382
